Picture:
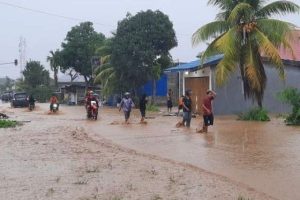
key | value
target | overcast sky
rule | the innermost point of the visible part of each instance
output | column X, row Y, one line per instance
column 46, row 32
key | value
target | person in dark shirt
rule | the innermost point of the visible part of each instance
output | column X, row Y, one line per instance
column 187, row 109
column 143, row 102
column 208, row 117
column 169, row 100
column 31, row 99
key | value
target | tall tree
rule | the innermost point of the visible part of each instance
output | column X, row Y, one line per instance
column 55, row 61
column 79, row 48
column 243, row 32
column 138, row 46
column 35, row 75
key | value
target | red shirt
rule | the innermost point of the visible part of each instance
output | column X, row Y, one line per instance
column 207, row 103
column 53, row 99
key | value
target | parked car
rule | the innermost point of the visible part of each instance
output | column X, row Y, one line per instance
column 19, row 99
column 6, row 96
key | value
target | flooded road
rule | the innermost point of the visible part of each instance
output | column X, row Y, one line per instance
column 263, row 156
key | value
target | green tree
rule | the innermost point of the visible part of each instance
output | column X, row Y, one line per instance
column 243, row 32
column 55, row 61
column 6, row 84
column 79, row 48
column 141, row 42
column 35, row 75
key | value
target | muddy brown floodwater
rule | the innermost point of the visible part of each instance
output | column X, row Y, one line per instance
column 65, row 156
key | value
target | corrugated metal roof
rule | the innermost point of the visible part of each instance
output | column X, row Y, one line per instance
column 295, row 44
column 196, row 64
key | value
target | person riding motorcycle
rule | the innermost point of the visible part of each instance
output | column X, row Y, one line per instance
column 53, row 100
column 89, row 98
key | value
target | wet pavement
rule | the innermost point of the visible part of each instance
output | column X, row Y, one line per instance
column 264, row 156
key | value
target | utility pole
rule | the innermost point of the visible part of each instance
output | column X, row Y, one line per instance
column 22, row 55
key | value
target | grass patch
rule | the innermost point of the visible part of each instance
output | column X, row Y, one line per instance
column 4, row 123
column 152, row 108
column 254, row 114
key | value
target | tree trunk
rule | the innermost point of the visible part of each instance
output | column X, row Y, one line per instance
column 86, row 82
column 259, row 102
column 153, row 91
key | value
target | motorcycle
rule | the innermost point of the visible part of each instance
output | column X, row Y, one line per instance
column 92, row 111
column 54, row 108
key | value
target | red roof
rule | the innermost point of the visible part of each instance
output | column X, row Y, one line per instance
column 295, row 44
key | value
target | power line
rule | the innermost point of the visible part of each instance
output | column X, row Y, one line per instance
column 48, row 13
column 66, row 17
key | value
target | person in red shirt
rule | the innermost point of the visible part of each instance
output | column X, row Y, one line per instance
column 53, row 100
column 208, row 117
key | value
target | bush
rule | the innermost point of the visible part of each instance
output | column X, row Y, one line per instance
column 291, row 96
column 152, row 108
column 255, row 114
column 7, row 123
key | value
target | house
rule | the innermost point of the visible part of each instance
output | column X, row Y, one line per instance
column 74, row 93
column 199, row 77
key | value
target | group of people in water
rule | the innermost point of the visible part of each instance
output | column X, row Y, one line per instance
column 126, row 104
column 185, row 104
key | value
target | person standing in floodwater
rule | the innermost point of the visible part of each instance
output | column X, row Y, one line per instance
column 142, row 104
column 169, row 100
column 187, row 109
column 208, row 117
column 126, row 105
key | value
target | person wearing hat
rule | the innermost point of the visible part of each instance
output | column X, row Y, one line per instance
column 208, row 117
column 126, row 105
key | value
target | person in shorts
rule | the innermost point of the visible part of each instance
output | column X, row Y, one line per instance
column 142, row 104
column 187, row 109
column 126, row 105
column 208, row 117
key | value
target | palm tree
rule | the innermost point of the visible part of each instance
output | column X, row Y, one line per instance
column 105, row 73
column 243, row 33
column 54, row 60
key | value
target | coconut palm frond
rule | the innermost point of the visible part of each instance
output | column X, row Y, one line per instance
column 105, row 59
column 211, row 49
column 106, row 72
column 102, row 67
column 275, row 30
column 270, row 50
column 208, row 31
column 223, row 70
column 229, row 43
column 278, row 7
column 241, row 11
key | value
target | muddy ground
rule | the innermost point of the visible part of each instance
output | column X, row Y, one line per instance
column 64, row 156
